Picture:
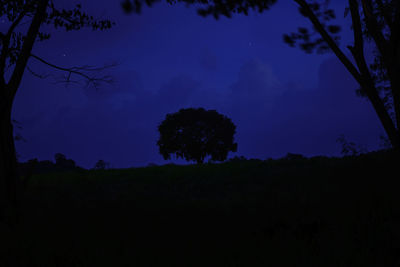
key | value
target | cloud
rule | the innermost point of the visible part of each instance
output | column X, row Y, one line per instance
column 252, row 95
column 256, row 78
column 286, row 119
column 177, row 93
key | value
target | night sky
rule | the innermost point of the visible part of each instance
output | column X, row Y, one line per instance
column 280, row 98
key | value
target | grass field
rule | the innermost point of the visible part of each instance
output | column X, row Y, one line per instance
column 298, row 212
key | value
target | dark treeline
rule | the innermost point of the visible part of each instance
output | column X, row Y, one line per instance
column 292, row 211
column 60, row 164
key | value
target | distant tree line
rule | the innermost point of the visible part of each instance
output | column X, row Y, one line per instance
column 35, row 166
column 60, row 164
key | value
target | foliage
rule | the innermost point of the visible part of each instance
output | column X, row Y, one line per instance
column 385, row 142
column 214, row 8
column 35, row 166
column 350, row 148
column 101, row 165
column 59, row 158
column 63, row 162
column 193, row 134
column 293, row 156
column 309, row 40
column 237, row 159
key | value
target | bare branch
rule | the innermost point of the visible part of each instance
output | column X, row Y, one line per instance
column 80, row 71
column 67, row 83
column 37, row 75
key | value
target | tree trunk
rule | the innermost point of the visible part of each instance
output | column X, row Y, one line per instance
column 8, row 166
column 390, row 128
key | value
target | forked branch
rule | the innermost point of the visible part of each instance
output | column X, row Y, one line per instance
column 80, row 71
column 328, row 39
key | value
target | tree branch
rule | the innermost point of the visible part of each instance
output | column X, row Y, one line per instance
column 388, row 52
column 17, row 21
column 80, row 72
column 368, row 84
column 37, row 75
column 358, row 53
column 358, row 49
column 382, row 113
column 327, row 38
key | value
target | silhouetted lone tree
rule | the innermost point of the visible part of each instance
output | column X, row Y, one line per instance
column 63, row 162
column 101, row 165
column 374, row 21
column 22, row 28
column 193, row 134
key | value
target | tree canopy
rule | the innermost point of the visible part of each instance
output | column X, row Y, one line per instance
column 101, row 165
column 193, row 134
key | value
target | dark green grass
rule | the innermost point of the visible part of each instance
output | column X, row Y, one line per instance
column 304, row 212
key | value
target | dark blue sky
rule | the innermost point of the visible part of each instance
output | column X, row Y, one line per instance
column 281, row 99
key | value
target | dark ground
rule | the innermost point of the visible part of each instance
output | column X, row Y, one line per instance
column 288, row 212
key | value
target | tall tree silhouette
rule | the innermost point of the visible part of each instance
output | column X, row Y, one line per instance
column 376, row 22
column 16, row 46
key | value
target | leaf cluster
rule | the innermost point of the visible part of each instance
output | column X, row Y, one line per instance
column 193, row 134
column 309, row 40
column 74, row 19
column 350, row 148
column 16, row 13
column 101, row 165
column 215, row 8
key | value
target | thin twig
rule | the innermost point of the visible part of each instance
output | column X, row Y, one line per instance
column 80, row 71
